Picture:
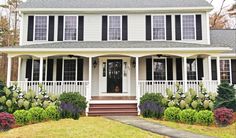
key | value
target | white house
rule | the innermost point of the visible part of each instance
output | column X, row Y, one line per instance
column 114, row 51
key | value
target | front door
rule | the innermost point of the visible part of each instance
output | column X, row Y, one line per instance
column 114, row 76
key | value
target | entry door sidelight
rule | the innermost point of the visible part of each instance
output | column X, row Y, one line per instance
column 114, row 76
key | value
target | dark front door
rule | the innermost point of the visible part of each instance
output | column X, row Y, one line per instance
column 114, row 76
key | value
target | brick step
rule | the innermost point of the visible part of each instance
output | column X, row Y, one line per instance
column 113, row 109
column 113, row 105
column 113, row 113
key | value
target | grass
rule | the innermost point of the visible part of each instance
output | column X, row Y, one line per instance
column 219, row 132
column 85, row 127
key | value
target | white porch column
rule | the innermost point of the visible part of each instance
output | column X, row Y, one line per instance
column 9, row 71
column 19, row 68
column 209, row 68
column 185, row 78
column 137, row 84
column 218, row 69
column 41, row 70
column 90, row 78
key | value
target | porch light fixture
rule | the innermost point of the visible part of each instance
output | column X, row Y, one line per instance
column 134, row 63
column 95, row 63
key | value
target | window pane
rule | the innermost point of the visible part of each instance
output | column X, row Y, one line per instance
column 70, row 27
column 36, row 70
column 69, row 70
column 188, row 27
column 158, row 27
column 225, row 70
column 192, row 69
column 159, row 69
column 40, row 27
column 114, row 28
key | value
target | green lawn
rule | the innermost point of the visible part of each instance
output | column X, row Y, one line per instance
column 85, row 127
column 219, row 132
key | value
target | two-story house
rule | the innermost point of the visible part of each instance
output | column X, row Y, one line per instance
column 114, row 51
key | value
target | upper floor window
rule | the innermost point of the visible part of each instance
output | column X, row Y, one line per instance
column 41, row 25
column 158, row 27
column 188, row 27
column 225, row 70
column 114, row 27
column 71, row 27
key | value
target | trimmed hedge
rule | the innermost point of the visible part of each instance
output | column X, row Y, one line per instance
column 52, row 113
column 188, row 116
column 205, row 117
column 172, row 114
column 21, row 117
column 36, row 114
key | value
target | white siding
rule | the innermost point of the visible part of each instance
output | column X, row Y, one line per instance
column 92, row 27
column 136, row 27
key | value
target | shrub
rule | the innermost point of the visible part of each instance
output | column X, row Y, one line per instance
column 21, row 117
column 172, row 114
column 188, row 116
column 223, row 116
column 75, row 99
column 52, row 113
column 205, row 117
column 36, row 114
column 226, row 96
column 190, row 99
column 151, row 109
column 7, row 121
column 69, row 110
column 154, row 97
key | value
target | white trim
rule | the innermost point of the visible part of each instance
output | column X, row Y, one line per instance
column 164, row 15
column 121, row 28
column 208, row 8
column 64, row 27
column 195, row 30
column 34, row 28
column 112, row 101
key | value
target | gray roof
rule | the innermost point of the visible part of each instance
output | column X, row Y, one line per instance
column 224, row 38
column 113, row 3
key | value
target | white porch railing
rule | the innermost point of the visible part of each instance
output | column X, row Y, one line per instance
column 161, row 86
column 54, row 87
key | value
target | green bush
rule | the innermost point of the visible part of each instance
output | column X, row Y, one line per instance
column 226, row 96
column 21, row 117
column 152, row 97
column 205, row 117
column 36, row 114
column 172, row 114
column 188, row 116
column 52, row 113
column 75, row 99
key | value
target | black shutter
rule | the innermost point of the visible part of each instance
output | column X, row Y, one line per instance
column 168, row 28
column 149, row 69
column 177, row 27
column 124, row 27
column 59, row 70
column 233, row 65
column 80, row 69
column 200, row 68
column 30, row 28
column 81, row 28
column 29, row 69
column 148, row 28
column 169, row 69
column 60, row 28
column 50, row 70
column 213, row 69
column 199, row 27
column 51, row 29
column 104, row 28
column 179, row 74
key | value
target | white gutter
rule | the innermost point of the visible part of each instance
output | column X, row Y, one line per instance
column 111, row 49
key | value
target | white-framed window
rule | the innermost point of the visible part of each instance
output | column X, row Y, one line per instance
column 225, row 70
column 114, row 27
column 188, row 27
column 159, row 68
column 159, row 27
column 41, row 28
column 69, row 72
column 36, row 69
column 70, row 28
column 192, row 69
